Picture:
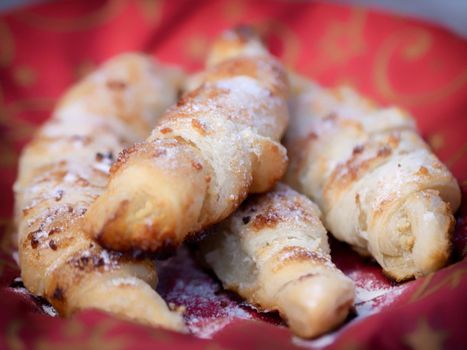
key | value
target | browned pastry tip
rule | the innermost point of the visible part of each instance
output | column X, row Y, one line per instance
column 219, row 143
column 274, row 252
column 65, row 168
column 381, row 188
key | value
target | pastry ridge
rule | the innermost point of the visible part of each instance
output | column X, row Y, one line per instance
column 216, row 145
column 274, row 252
column 61, row 172
column 379, row 185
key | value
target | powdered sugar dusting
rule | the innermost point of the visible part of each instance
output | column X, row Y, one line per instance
column 49, row 310
column 70, row 177
column 18, row 286
column 372, row 295
column 15, row 256
column 318, row 343
column 243, row 84
column 104, row 167
column 205, row 327
column 108, row 263
column 184, row 283
column 124, row 281
column 208, row 307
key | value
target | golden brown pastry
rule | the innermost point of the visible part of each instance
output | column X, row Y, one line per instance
column 63, row 170
column 207, row 153
column 380, row 187
column 274, row 252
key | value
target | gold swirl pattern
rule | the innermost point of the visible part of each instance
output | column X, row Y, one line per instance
column 76, row 336
column 215, row 347
column 7, row 47
column 410, row 45
column 108, row 10
column 12, row 335
column 452, row 279
column 196, row 47
column 197, row 44
column 436, row 141
column 151, row 10
column 8, row 155
column 8, row 238
column 24, row 76
column 287, row 37
column 19, row 129
column 342, row 41
column 425, row 337
column 84, row 68
column 458, row 155
column 351, row 345
column 233, row 10
column 23, row 128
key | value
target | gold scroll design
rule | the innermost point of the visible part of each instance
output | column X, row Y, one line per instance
column 8, row 236
column 287, row 37
column 198, row 44
column 12, row 338
column 410, row 45
column 234, row 10
column 196, row 47
column 457, row 156
column 7, row 244
column 18, row 129
column 7, row 151
column 102, row 14
column 73, row 335
column 215, row 347
column 24, row 75
column 342, row 41
column 452, row 278
column 7, row 45
column 151, row 10
column 426, row 337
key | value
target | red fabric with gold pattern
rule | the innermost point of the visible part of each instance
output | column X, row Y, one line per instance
column 45, row 48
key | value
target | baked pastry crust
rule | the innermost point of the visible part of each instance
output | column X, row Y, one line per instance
column 219, row 143
column 61, row 172
column 274, row 252
column 380, row 187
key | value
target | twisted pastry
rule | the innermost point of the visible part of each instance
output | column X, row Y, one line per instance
column 63, row 170
column 274, row 252
column 378, row 184
column 207, row 153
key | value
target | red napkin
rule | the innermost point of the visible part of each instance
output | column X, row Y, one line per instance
column 421, row 67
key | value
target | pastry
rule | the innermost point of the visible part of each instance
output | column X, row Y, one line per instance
column 380, row 187
column 62, row 171
column 217, row 145
column 274, row 252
